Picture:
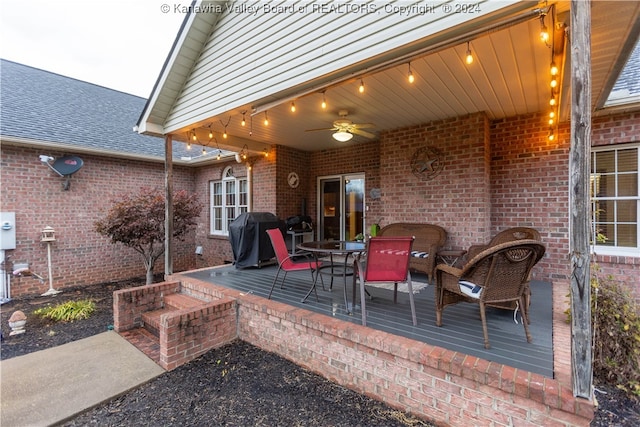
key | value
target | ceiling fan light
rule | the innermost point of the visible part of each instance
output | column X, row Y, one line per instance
column 342, row 136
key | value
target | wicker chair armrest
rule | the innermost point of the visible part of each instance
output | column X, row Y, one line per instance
column 447, row 277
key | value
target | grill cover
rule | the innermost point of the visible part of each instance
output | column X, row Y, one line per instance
column 249, row 241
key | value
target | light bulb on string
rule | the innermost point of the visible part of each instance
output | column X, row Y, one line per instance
column 553, row 69
column 410, row 77
column 554, row 82
column 293, row 107
column 361, row 88
column 244, row 122
column 544, row 31
column 266, row 119
column 469, row 58
column 324, row 101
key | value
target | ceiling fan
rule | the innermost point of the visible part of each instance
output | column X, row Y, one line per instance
column 345, row 129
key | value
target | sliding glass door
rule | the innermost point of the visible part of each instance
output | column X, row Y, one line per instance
column 341, row 207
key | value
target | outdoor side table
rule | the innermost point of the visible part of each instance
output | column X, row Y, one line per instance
column 450, row 257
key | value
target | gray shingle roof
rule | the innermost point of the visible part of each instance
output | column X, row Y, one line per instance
column 628, row 83
column 44, row 106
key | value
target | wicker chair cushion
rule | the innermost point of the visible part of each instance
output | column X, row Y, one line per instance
column 470, row 289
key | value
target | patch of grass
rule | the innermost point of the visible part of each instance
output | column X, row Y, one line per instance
column 68, row 311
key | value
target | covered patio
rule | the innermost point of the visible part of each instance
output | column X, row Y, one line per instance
column 461, row 331
column 499, row 124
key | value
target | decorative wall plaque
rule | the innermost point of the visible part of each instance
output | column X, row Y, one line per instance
column 427, row 163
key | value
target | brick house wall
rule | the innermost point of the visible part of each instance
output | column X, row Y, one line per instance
column 618, row 129
column 458, row 198
column 80, row 256
column 497, row 175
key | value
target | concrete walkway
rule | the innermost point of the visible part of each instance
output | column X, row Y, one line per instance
column 52, row 385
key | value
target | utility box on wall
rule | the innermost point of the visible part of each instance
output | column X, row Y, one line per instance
column 7, row 230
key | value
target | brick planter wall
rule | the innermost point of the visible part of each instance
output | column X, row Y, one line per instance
column 183, row 334
column 189, row 333
column 439, row 385
column 129, row 304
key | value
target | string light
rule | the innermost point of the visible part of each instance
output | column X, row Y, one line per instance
column 204, row 152
column 293, row 107
column 219, row 155
column 361, row 88
column 544, row 31
column 244, row 122
column 193, row 135
column 324, row 101
column 554, row 69
column 410, row 76
column 189, row 145
column 210, row 133
column 552, row 100
column 554, row 82
column 266, row 153
column 266, row 119
column 469, row 58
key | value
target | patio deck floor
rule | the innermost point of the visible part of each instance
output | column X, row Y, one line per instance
column 461, row 330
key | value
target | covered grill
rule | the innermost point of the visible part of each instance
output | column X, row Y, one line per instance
column 249, row 241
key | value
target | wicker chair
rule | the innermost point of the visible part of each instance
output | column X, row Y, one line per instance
column 508, row 235
column 497, row 276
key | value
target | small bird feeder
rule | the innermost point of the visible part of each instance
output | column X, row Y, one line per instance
column 48, row 234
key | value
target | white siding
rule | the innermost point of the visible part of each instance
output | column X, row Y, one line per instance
column 248, row 58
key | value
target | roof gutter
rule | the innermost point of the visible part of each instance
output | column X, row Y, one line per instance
column 59, row 146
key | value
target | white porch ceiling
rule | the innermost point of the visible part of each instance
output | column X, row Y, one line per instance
column 509, row 76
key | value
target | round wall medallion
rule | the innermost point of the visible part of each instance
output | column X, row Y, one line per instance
column 427, row 163
column 293, row 180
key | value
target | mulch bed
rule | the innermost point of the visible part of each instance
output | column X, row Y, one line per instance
column 235, row 385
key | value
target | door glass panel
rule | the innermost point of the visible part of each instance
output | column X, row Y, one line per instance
column 354, row 207
column 330, row 211
column 341, row 207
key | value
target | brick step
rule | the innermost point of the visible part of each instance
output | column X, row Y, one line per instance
column 172, row 302
column 144, row 341
column 181, row 301
column 151, row 319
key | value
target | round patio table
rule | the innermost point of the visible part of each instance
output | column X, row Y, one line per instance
column 319, row 248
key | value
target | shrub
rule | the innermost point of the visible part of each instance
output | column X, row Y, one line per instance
column 616, row 333
column 68, row 311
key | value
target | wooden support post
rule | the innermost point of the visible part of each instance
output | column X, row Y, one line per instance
column 579, row 161
column 168, row 214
